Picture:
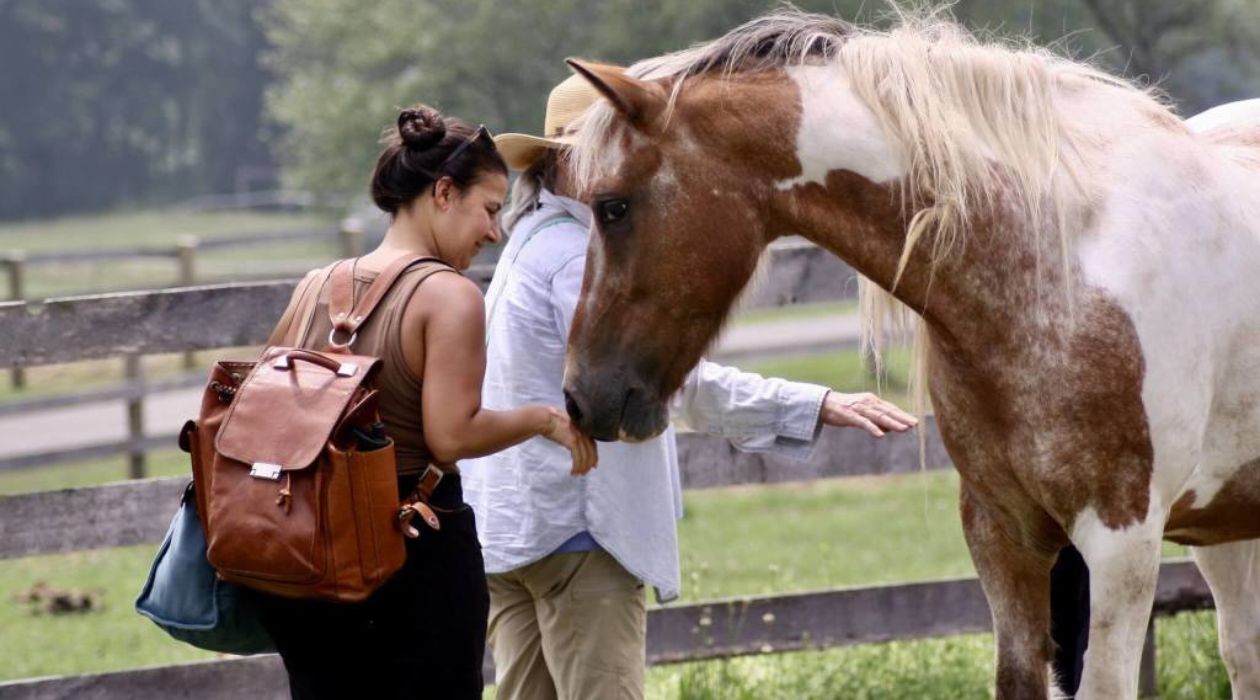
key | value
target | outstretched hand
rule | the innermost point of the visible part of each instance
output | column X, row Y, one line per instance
column 562, row 431
column 865, row 411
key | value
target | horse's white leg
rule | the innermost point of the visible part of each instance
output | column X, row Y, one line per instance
column 1233, row 572
column 1123, row 569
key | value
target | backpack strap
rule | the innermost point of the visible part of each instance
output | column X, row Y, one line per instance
column 507, row 261
column 346, row 314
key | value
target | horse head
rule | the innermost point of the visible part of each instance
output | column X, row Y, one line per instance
column 678, row 194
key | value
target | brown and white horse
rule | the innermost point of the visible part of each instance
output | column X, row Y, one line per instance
column 1086, row 268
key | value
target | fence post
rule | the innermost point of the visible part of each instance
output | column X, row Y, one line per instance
column 15, row 265
column 351, row 238
column 186, row 256
column 135, row 418
column 1147, row 687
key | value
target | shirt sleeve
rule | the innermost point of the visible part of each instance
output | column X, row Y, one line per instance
column 756, row 414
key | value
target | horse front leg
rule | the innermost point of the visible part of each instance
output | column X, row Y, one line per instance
column 1233, row 572
column 1015, row 576
column 1123, row 566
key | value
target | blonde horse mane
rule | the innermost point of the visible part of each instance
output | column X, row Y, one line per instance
column 975, row 120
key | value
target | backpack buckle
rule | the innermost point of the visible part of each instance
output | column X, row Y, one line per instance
column 265, row 470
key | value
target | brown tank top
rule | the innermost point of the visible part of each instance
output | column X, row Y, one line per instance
column 380, row 336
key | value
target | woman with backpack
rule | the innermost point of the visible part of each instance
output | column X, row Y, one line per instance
column 423, row 633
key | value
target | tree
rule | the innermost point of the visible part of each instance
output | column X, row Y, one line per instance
column 111, row 101
column 344, row 68
column 1202, row 52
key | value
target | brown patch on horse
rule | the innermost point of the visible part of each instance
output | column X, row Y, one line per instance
column 1230, row 516
column 1038, row 401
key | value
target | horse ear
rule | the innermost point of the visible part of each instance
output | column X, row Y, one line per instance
column 640, row 101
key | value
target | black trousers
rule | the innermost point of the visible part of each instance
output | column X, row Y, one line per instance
column 1069, row 617
column 422, row 635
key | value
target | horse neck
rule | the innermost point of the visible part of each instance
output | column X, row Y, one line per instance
column 991, row 279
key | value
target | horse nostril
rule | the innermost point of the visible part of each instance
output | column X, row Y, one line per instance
column 571, row 406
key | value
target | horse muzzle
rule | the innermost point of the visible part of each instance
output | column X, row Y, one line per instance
column 608, row 407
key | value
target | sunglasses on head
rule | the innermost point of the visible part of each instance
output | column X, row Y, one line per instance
column 481, row 132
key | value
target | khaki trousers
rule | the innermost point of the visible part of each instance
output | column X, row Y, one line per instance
column 568, row 627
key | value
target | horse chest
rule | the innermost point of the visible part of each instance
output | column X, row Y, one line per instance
column 1055, row 417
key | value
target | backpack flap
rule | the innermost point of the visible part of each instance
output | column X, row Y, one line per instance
column 285, row 412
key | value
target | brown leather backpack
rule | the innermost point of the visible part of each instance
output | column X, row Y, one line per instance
column 290, row 503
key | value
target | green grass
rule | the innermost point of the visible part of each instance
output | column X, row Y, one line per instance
column 843, row 371
column 760, row 540
column 1188, row 667
column 735, row 541
column 111, row 638
column 957, row 667
column 90, row 473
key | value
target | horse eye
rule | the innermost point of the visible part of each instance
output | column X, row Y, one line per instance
column 613, row 210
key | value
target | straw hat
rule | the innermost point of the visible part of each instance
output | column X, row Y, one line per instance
column 565, row 104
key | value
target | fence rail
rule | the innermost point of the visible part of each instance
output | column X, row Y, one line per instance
column 232, row 315
column 183, row 254
column 119, row 392
column 217, row 243
column 137, row 511
column 237, row 314
column 710, row 630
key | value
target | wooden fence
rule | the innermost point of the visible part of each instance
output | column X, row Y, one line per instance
column 826, row 278
column 16, row 263
column 137, row 512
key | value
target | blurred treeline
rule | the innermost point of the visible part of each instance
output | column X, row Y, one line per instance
column 112, row 102
column 123, row 102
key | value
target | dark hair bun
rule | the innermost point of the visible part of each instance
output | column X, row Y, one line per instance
column 421, row 127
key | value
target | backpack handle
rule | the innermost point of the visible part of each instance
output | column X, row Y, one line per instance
column 341, row 369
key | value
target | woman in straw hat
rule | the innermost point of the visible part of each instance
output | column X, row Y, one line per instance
column 568, row 559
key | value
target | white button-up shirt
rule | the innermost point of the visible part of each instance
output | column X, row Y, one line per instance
column 526, row 502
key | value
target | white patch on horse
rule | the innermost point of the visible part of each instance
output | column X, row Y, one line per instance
column 613, row 155
column 837, row 131
column 1181, row 262
column 1052, row 684
column 1229, row 114
column 665, row 181
column 1233, row 572
column 1123, row 568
